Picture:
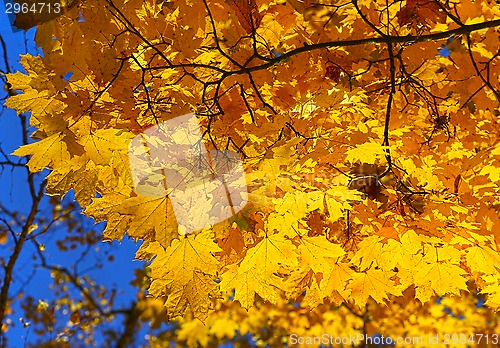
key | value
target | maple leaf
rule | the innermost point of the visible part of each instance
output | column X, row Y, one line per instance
column 335, row 282
column 197, row 293
column 42, row 107
column 269, row 254
column 100, row 145
column 421, row 12
column 333, row 72
column 184, row 256
column 318, row 253
column 51, row 151
column 440, row 277
column 493, row 290
column 256, row 272
column 184, row 273
column 79, row 175
column 247, row 284
column 140, row 217
column 366, row 153
column 373, row 283
column 370, row 249
column 247, row 12
column 39, row 89
column 483, row 259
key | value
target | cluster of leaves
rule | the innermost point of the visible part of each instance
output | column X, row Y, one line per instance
column 313, row 95
column 402, row 318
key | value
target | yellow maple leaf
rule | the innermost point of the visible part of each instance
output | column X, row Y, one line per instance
column 42, row 107
column 197, row 293
column 369, row 251
column 483, row 259
column 492, row 289
column 366, row 153
column 39, row 95
column 442, row 278
column 269, row 254
column 51, row 151
column 140, row 217
column 319, row 253
column 248, row 283
column 80, row 175
column 185, row 273
column 335, row 281
column 100, row 145
column 372, row 283
column 392, row 254
column 178, row 262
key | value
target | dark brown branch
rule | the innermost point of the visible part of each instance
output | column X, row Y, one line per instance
column 376, row 40
column 216, row 38
column 366, row 20
column 9, row 268
column 131, row 320
column 5, row 57
column 392, row 71
column 108, row 85
column 123, row 19
column 486, row 81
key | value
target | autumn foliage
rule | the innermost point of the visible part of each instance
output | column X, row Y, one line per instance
column 372, row 159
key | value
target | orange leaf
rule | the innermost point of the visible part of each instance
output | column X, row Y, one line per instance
column 247, row 12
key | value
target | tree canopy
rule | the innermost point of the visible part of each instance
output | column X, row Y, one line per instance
column 368, row 132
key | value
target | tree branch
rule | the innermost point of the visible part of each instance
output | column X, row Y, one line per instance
column 9, row 268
